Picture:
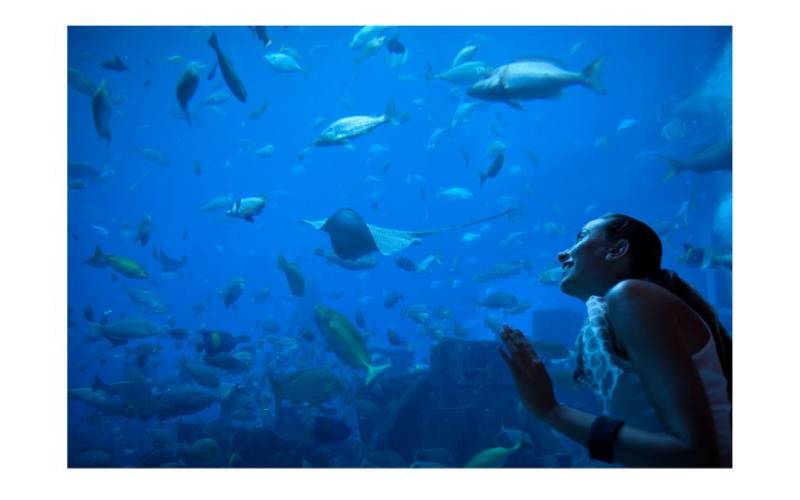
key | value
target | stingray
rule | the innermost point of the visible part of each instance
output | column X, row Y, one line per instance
column 352, row 238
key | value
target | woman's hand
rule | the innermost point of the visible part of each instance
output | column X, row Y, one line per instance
column 533, row 382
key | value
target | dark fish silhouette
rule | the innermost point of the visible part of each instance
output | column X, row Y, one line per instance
column 330, row 429
column 217, row 341
column 101, row 112
column 187, row 85
column 81, row 82
column 395, row 47
column 231, row 78
column 493, row 169
column 116, row 64
column 293, row 276
column 170, row 265
column 405, row 264
column 360, row 322
column 261, row 34
column 212, row 72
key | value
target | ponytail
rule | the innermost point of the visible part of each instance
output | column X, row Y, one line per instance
column 684, row 291
column 645, row 264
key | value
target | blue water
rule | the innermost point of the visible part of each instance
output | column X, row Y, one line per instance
column 587, row 167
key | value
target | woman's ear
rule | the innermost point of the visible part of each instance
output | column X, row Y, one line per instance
column 618, row 250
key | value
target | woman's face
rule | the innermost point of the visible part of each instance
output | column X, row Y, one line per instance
column 585, row 270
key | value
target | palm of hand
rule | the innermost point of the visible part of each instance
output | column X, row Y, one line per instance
column 530, row 374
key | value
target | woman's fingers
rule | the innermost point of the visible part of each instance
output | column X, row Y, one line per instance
column 512, row 364
column 521, row 350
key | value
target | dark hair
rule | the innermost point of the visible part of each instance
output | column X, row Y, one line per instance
column 646, row 251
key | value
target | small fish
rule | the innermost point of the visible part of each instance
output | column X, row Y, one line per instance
column 187, row 85
column 265, row 152
column 433, row 140
column 706, row 258
column 493, row 169
column 217, row 203
column 175, row 59
column 395, row 47
column 307, row 335
column 360, row 322
column 100, row 229
column 259, row 111
column 80, row 82
column 232, row 290
column 169, row 264
column 283, row 63
column 343, row 130
column 498, row 300
column 454, row 193
column 552, row 276
column 123, row 265
column 261, row 33
column 464, row 55
column 116, row 64
column 392, row 299
column 463, row 110
column 216, row 98
column 532, row 157
column 576, row 47
column 466, row 73
column 143, row 230
column 627, row 123
column 294, row 276
column 394, row 338
column 101, row 112
column 470, row 237
column 365, row 34
column 405, row 264
column 346, row 342
column 155, row 156
column 495, row 148
column 330, row 430
column 247, row 208
column 492, row 457
column 228, row 73
column 178, row 333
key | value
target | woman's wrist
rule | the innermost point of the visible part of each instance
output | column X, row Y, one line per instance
column 553, row 415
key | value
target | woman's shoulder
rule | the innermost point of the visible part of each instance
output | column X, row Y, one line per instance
column 636, row 292
column 638, row 305
column 640, row 301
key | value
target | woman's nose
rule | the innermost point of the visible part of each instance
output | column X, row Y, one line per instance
column 562, row 256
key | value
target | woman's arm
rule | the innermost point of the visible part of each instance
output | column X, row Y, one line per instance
column 646, row 323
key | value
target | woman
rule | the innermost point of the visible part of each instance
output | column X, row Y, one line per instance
column 653, row 349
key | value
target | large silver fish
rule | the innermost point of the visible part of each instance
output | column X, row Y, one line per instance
column 715, row 156
column 366, row 34
column 466, row 73
column 344, row 129
column 535, row 79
